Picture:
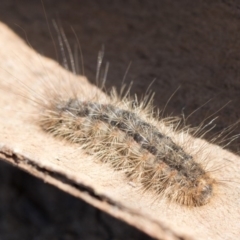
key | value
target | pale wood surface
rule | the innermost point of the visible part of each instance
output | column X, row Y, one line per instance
column 23, row 144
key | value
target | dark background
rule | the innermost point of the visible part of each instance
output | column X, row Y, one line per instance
column 191, row 44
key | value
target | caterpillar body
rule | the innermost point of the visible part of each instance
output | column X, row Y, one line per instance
column 126, row 136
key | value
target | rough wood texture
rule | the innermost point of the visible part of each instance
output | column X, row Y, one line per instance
column 24, row 145
column 208, row 31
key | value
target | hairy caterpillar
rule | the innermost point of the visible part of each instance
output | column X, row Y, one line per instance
column 117, row 134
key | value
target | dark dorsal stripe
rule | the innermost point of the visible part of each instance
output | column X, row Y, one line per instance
column 157, row 144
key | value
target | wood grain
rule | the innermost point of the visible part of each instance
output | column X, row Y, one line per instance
column 23, row 144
